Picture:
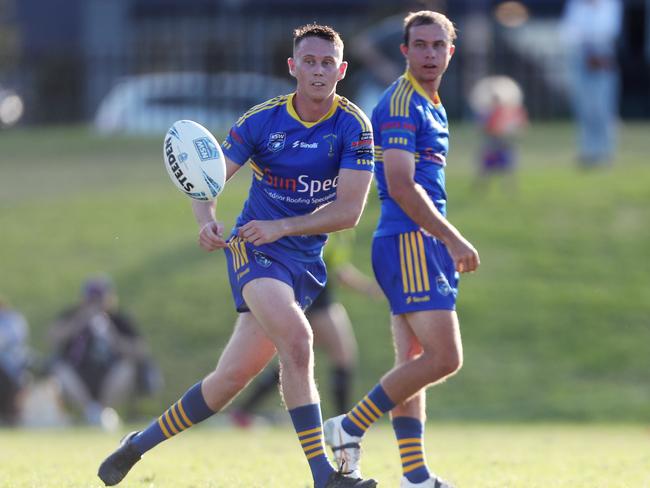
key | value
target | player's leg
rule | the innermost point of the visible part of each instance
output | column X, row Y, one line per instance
column 333, row 332
column 119, row 383
column 274, row 304
column 246, row 353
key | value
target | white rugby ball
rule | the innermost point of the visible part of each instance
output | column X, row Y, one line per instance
column 194, row 160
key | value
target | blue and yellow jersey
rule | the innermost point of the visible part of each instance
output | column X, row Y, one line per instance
column 296, row 163
column 406, row 118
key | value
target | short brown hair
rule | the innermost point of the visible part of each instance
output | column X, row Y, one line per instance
column 316, row 30
column 427, row 17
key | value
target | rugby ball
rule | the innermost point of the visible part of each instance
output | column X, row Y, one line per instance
column 194, row 160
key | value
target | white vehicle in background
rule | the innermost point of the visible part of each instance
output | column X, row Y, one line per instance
column 151, row 103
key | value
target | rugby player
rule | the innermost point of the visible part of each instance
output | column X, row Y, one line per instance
column 417, row 253
column 311, row 154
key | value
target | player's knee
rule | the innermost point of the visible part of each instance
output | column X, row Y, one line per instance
column 450, row 363
column 297, row 353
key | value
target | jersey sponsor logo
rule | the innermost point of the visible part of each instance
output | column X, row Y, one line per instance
column 304, row 145
column 396, row 125
column 302, row 184
column 415, row 299
column 276, row 141
column 205, row 148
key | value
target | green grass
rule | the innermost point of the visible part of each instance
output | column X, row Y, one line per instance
column 556, row 324
column 474, row 455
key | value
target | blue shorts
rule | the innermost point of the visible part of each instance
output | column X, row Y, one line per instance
column 246, row 263
column 415, row 271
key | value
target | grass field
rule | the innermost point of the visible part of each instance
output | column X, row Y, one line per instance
column 472, row 456
column 556, row 323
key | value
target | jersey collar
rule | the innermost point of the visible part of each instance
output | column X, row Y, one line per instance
column 294, row 114
column 418, row 88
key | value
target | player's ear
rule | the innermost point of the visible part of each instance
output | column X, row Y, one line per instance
column 452, row 50
column 292, row 66
column 343, row 68
column 404, row 49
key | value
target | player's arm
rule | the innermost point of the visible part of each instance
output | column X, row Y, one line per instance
column 399, row 168
column 211, row 230
column 343, row 213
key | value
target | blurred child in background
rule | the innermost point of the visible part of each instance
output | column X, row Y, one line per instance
column 497, row 102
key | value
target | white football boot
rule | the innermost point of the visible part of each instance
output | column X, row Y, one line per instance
column 345, row 447
column 433, row 482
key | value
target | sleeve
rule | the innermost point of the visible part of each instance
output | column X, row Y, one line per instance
column 239, row 145
column 397, row 124
column 358, row 145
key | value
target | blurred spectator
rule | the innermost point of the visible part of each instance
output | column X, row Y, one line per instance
column 14, row 362
column 100, row 358
column 590, row 29
column 497, row 101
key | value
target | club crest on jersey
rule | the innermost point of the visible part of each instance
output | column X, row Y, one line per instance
column 276, row 141
column 261, row 259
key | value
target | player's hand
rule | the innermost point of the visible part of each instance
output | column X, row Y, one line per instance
column 211, row 236
column 465, row 256
column 259, row 232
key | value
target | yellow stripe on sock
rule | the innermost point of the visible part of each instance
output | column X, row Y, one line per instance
column 410, row 440
column 310, row 431
column 177, row 419
column 182, row 411
column 408, row 469
column 372, row 405
column 161, row 424
column 309, row 440
column 316, row 453
column 405, row 450
column 170, row 423
column 356, row 422
column 408, row 459
column 373, row 418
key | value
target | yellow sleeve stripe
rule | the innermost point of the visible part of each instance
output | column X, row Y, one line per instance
column 396, row 96
column 259, row 174
column 310, row 431
column 269, row 104
column 356, row 113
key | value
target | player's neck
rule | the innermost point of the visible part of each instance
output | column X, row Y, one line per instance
column 310, row 110
column 430, row 87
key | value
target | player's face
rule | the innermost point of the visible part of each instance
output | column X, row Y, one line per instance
column 428, row 52
column 317, row 65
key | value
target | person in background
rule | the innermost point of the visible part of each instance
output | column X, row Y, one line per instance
column 99, row 354
column 14, row 362
column 591, row 29
column 497, row 102
column 332, row 329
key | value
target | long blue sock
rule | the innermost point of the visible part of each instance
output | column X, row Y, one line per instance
column 367, row 411
column 189, row 410
column 308, row 423
column 410, row 433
